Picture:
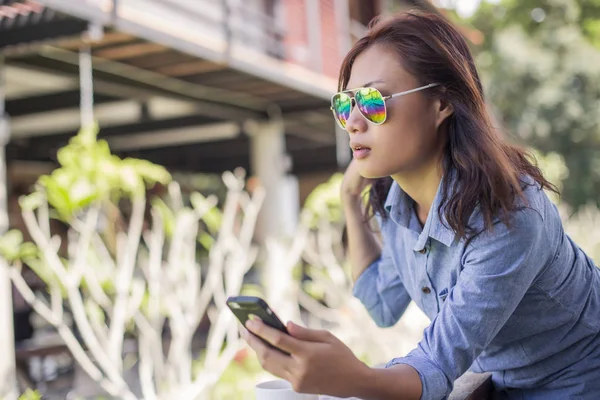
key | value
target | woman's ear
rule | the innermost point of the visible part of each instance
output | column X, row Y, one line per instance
column 444, row 110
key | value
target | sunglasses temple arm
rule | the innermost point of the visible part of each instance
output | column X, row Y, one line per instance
column 411, row 91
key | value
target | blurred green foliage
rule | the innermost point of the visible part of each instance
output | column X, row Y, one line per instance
column 89, row 173
column 239, row 379
column 324, row 202
column 540, row 63
column 30, row 394
column 535, row 16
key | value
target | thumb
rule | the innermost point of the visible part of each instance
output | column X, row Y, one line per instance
column 309, row 335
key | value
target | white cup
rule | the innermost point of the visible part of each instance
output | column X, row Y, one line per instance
column 280, row 390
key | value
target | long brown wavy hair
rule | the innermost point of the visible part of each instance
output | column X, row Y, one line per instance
column 488, row 170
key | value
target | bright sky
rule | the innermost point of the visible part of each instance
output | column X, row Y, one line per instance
column 464, row 8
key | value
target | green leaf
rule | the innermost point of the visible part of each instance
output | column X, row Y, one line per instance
column 102, row 150
column 82, row 194
column 57, row 191
column 63, row 178
column 592, row 29
column 297, row 272
column 31, row 201
column 68, row 157
column 28, row 250
column 108, row 286
column 213, row 219
column 250, row 289
column 94, row 312
column 150, row 173
column 131, row 181
column 314, row 290
column 45, row 273
column 10, row 244
column 206, row 240
column 30, row 394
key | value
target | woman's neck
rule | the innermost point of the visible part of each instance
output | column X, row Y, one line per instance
column 421, row 186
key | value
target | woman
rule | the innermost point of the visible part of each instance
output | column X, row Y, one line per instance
column 468, row 234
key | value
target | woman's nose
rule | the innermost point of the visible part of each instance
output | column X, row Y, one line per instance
column 356, row 123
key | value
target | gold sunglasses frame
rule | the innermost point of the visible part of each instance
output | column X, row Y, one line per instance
column 384, row 98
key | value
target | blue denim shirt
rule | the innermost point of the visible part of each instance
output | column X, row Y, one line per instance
column 523, row 303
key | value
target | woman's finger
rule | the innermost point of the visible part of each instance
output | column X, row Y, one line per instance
column 270, row 359
column 277, row 338
column 309, row 335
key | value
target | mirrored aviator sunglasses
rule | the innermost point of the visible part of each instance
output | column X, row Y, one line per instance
column 370, row 103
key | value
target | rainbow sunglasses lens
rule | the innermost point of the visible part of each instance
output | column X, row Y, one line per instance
column 369, row 101
column 341, row 104
column 371, row 104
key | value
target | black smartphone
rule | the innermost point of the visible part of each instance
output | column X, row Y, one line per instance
column 244, row 306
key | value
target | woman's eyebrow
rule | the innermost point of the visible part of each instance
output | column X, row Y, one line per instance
column 372, row 82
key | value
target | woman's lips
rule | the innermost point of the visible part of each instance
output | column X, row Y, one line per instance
column 361, row 153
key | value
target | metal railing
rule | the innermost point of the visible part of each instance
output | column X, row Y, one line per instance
column 248, row 23
column 236, row 22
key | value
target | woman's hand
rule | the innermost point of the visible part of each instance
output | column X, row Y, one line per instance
column 353, row 183
column 318, row 362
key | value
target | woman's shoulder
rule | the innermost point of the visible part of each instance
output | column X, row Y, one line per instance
column 535, row 198
column 532, row 210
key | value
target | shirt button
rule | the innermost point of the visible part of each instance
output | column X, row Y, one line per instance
column 423, row 250
column 426, row 290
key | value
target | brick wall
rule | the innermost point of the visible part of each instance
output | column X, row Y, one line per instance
column 330, row 46
column 297, row 42
column 296, row 36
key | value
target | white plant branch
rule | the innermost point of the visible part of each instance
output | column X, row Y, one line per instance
column 75, row 299
column 138, row 288
column 123, row 281
column 210, row 375
column 150, row 288
column 56, row 301
column 43, row 214
column 317, row 309
column 83, row 244
column 67, row 335
column 96, row 291
column 156, row 320
column 49, row 254
column 146, row 368
column 35, row 301
column 91, row 340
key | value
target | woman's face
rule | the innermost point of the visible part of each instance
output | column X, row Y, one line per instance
column 409, row 141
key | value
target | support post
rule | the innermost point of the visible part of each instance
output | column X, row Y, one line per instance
column 8, row 377
column 270, row 164
column 279, row 215
column 86, row 83
column 342, row 148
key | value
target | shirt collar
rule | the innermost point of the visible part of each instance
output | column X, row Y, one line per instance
column 400, row 207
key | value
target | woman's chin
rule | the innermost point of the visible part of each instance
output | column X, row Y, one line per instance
column 372, row 173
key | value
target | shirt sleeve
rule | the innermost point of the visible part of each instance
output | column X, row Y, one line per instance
column 381, row 291
column 499, row 266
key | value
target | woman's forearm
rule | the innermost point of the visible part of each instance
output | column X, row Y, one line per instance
column 400, row 382
column 363, row 246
